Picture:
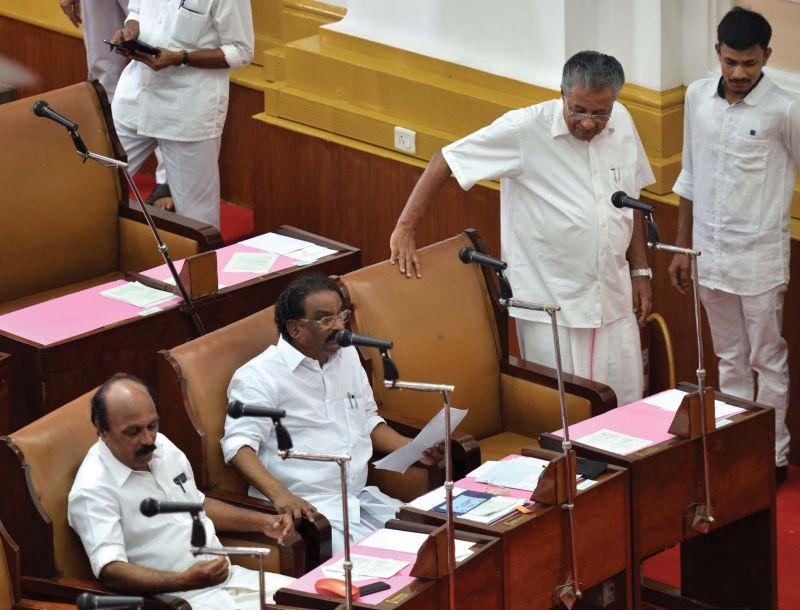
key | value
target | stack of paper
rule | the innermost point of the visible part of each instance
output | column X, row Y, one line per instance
column 517, row 473
column 304, row 252
column 135, row 293
column 250, row 262
column 671, row 400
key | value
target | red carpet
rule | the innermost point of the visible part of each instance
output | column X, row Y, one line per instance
column 665, row 566
column 236, row 221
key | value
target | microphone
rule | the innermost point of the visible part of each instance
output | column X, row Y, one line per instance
column 345, row 338
column 150, row 507
column 621, row 200
column 89, row 601
column 236, row 410
column 42, row 108
column 471, row 255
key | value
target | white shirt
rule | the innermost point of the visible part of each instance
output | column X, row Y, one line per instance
column 739, row 168
column 183, row 103
column 329, row 409
column 104, row 510
column 564, row 242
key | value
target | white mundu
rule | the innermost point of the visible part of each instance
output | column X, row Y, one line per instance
column 329, row 409
column 104, row 511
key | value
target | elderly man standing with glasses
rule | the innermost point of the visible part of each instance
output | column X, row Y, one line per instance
column 329, row 408
column 558, row 163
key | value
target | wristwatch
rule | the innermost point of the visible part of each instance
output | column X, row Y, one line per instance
column 646, row 272
column 185, row 60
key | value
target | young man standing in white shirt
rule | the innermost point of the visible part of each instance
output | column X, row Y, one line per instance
column 135, row 554
column 329, row 409
column 741, row 149
column 178, row 100
column 559, row 162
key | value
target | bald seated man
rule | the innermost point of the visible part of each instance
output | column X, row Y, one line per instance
column 135, row 554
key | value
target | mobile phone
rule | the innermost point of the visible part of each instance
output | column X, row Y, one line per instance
column 128, row 47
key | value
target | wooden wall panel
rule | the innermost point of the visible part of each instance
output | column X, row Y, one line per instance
column 354, row 196
column 56, row 59
column 236, row 159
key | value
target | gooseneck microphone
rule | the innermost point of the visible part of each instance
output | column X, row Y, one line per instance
column 621, row 200
column 471, row 255
column 151, row 507
column 345, row 338
column 89, row 601
column 236, row 410
column 42, row 108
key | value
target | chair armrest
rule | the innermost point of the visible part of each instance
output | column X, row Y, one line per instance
column 67, row 589
column 600, row 396
column 530, row 400
column 206, row 236
column 315, row 546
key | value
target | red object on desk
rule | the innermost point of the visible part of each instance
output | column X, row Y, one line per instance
column 335, row 587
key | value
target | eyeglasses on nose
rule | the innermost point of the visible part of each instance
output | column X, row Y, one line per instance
column 582, row 116
column 329, row 321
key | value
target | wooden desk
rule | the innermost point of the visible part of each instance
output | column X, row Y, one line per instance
column 477, row 580
column 49, row 374
column 734, row 565
column 5, row 389
column 536, row 549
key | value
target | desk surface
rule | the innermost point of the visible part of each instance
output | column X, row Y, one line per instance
column 535, row 545
column 476, row 580
column 65, row 347
column 734, row 564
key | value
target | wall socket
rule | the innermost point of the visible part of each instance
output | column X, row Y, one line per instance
column 405, row 140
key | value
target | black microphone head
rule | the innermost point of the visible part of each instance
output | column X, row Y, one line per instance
column 344, row 338
column 465, row 255
column 39, row 107
column 149, row 507
column 235, row 409
column 617, row 199
column 85, row 601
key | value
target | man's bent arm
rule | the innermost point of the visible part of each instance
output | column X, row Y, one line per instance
column 637, row 259
column 679, row 272
column 253, row 471
column 130, row 578
column 402, row 243
column 227, row 517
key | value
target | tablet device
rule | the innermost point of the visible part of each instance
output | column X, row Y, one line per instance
column 464, row 502
column 128, row 47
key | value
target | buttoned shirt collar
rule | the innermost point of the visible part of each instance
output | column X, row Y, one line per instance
column 293, row 357
column 119, row 471
column 752, row 97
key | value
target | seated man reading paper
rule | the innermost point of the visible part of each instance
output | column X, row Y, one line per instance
column 329, row 409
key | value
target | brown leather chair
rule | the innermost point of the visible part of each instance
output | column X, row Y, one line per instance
column 38, row 465
column 193, row 380
column 447, row 328
column 67, row 225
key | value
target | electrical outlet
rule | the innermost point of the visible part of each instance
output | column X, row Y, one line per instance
column 405, row 140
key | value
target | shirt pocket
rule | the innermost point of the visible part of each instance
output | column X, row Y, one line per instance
column 750, row 155
column 192, row 19
column 356, row 416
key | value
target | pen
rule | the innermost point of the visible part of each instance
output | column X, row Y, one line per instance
column 352, row 399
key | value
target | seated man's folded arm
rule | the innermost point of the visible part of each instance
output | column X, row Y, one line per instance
column 235, row 519
column 129, row 578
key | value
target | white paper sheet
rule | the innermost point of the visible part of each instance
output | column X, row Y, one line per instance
column 723, row 409
column 408, row 542
column 171, row 281
column 433, row 432
column 432, row 498
column 365, row 566
column 494, row 509
column 608, row 440
column 669, row 400
column 482, row 469
column 517, row 473
column 135, row 293
column 585, row 484
column 279, row 244
column 250, row 262
column 312, row 253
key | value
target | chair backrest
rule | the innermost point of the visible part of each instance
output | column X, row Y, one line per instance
column 193, row 384
column 444, row 330
column 58, row 217
column 50, row 451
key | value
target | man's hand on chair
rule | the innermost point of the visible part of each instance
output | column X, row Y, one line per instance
column 295, row 506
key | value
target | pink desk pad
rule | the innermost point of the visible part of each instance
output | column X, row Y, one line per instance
column 638, row 419
column 82, row 312
column 470, row 484
column 402, row 579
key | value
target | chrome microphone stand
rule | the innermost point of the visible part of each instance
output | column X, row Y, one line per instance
column 229, row 551
column 705, row 513
column 568, row 592
column 391, row 381
column 85, row 153
column 286, row 452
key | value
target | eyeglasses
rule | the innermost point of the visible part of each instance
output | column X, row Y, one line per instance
column 329, row 321
column 582, row 116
